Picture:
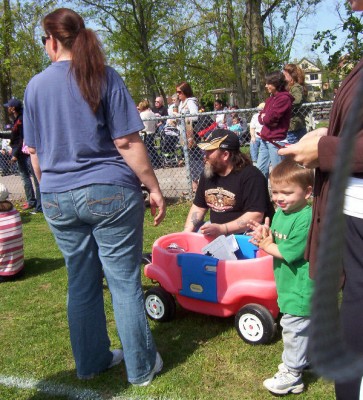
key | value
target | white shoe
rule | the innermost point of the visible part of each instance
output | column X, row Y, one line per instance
column 157, row 368
column 118, row 356
column 284, row 382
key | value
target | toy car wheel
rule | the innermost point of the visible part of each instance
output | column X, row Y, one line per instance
column 255, row 324
column 159, row 304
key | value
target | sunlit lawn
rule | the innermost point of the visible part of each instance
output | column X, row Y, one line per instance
column 204, row 358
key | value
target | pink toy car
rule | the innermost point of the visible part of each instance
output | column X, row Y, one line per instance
column 244, row 287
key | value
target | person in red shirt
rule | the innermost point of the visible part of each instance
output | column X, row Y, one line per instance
column 275, row 118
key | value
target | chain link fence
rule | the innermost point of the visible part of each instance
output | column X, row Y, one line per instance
column 172, row 149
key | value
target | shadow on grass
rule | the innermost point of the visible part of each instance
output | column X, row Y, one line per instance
column 66, row 385
column 176, row 341
column 40, row 266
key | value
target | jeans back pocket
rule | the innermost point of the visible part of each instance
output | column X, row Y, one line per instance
column 105, row 200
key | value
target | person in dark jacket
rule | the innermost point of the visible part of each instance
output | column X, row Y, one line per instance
column 20, row 155
column 318, row 149
column 275, row 118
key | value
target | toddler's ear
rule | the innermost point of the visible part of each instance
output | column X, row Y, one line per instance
column 308, row 192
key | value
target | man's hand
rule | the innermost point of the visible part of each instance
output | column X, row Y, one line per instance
column 213, row 229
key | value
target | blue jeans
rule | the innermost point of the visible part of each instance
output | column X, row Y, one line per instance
column 254, row 147
column 100, row 227
column 24, row 172
column 38, row 203
column 267, row 155
column 294, row 136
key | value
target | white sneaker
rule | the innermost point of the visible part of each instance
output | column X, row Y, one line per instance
column 284, row 382
column 157, row 368
column 282, row 367
column 118, row 356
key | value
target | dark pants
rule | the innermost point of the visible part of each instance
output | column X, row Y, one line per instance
column 196, row 162
column 352, row 303
column 25, row 172
column 149, row 140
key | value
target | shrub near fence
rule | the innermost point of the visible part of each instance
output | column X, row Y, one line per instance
column 168, row 150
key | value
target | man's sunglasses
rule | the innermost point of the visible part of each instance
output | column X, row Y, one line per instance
column 44, row 39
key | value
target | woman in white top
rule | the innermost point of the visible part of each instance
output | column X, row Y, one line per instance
column 188, row 104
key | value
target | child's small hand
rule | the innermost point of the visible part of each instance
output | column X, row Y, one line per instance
column 265, row 241
column 259, row 232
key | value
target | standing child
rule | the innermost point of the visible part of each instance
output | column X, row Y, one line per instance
column 255, row 130
column 291, row 187
column 11, row 239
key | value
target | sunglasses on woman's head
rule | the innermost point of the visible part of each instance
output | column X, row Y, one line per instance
column 44, row 39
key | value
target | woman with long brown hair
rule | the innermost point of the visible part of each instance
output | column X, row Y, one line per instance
column 295, row 78
column 82, row 129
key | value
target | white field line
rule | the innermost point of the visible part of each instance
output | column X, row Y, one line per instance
column 57, row 389
column 51, row 388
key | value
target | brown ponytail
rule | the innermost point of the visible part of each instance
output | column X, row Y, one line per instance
column 88, row 59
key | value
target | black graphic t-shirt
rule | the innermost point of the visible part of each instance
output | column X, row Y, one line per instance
column 229, row 197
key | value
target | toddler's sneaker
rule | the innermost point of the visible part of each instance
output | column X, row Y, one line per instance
column 282, row 367
column 157, row 368
column 284, row 382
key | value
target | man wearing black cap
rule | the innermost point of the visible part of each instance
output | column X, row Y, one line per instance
column 15, row 111
column 231, row 188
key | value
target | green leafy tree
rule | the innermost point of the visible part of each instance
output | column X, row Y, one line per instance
column 6, row 30
column 341, row 61
column 22, row 54
column 135, row 34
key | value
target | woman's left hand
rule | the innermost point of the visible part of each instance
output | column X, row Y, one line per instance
column 304, row 152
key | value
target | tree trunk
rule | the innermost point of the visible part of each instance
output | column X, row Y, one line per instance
column 5, row 57
column 257, row 57
column 236, row 59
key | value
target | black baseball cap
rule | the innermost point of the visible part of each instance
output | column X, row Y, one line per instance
column 14, row 103
column 220, row 139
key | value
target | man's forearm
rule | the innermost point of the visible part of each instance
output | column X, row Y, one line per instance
column 239, row 225
column 195, row 217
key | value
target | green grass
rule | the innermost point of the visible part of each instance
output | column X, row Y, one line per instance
column 203, row 356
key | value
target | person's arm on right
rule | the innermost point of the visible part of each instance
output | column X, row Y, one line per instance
column 35, row 162
column 305, row 152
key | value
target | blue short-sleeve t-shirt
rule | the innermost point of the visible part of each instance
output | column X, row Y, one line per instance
column 74, row 145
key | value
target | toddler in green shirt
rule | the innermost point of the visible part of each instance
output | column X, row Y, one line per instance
column 291, row 186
